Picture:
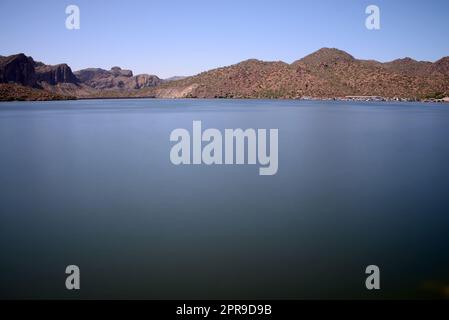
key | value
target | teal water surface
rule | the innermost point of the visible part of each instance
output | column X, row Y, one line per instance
column 90, row 183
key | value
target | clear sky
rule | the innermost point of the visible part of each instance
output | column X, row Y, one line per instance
column 184, row 37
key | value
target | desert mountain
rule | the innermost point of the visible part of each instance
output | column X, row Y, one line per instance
column 18, row 69
column 326, row 73
column 442, row 66
column 22, row 78
column 116, row 78
column 58, row 81
column 24, row 70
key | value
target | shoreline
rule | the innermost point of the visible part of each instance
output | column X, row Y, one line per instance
column 323, row 99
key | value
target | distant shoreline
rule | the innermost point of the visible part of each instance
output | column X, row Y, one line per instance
column 344, row 99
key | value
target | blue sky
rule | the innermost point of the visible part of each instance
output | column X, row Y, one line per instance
column 171, row 37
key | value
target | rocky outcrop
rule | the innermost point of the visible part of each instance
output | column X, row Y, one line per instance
column 59, row 80
column 53, row 75
column 101, row 79
column 23, row 70
column 116, row 79
column 118, row 72
column 17, row 69
column 144, row 81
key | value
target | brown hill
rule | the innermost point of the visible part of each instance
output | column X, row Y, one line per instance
column 442, row 66
column 409, row 67
column 325, row 73
column 247, row 79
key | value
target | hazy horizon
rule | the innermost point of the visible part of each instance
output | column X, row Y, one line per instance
column 175, row 38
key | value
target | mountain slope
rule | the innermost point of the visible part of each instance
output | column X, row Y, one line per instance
column 325, row 73
column 17, row 92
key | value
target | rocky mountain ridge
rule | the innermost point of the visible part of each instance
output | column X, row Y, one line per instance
column 326, row 73
column 116, row 78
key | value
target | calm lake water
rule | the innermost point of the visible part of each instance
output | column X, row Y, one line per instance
column 90, row 183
